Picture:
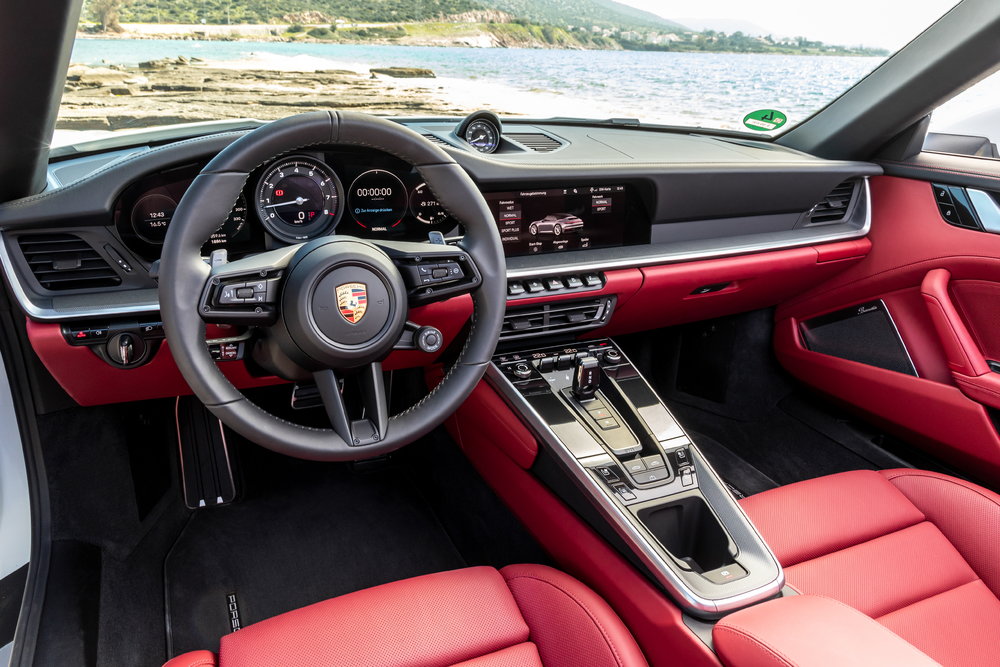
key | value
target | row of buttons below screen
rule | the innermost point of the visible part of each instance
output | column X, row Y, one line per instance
column 556, row 284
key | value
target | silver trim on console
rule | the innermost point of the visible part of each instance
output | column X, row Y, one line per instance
column 623, row 525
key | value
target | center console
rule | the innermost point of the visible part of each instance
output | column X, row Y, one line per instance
column 595, row 414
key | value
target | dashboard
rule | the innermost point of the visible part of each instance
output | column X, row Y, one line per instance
column 606, row 230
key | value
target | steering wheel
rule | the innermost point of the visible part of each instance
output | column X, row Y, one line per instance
column 333, row 306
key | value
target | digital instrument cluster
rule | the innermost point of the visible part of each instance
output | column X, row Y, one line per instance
column 292, row 199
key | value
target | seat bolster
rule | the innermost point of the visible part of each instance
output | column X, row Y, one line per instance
column 967, row 514
column 570, row 623
column 810, row 631
column 193, row 659
column 436, row 619
column 809, row 519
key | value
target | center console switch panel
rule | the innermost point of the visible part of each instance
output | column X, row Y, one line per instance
column 593, row 410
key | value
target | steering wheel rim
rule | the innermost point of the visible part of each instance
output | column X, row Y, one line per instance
column 184, row 275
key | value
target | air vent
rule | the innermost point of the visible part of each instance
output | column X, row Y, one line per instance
column 65, row 262
column 434, row 139
column 536, row 141
column 834, row 206
column 558, row 317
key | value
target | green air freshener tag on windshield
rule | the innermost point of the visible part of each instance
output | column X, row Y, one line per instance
column 764, row 120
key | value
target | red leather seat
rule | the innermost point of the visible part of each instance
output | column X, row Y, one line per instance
column 917, row 551
column 520, row 616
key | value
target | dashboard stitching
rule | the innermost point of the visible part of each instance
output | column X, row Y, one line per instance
column 27, row 201
column 926, row 167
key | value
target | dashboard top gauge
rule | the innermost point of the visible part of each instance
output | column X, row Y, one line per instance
column 299, row 198
column 482, row 130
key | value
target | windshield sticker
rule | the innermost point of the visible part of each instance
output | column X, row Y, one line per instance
column 764, row 120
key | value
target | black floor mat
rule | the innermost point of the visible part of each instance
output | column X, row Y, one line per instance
column 756, row 425
column 742, row 478
column 323, row 531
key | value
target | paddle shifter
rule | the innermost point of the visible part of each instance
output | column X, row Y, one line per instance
column 586, row 378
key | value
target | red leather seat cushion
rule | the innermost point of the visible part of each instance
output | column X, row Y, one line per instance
column 914, row 550
column 521, row 616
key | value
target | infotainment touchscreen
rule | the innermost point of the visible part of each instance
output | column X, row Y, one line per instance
column 543, row 221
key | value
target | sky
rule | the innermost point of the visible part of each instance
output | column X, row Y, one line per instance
column 888, row 24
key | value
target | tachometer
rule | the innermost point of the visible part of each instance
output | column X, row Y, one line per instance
column 298, row 198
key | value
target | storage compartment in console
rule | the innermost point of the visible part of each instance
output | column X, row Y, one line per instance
column 689, row 531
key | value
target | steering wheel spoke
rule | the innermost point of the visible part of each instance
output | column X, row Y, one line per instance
column 371, row 427
column 334, row 302
column 246, row 291
column 433, row 272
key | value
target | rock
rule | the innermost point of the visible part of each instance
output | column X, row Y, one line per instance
column 160, row 63
column 121, row 91
column 404, row 72
column 137, row 80
column 176, row 88
column 99, row 76
column 183, row 60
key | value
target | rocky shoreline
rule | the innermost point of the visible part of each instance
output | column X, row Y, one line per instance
column 185, row 90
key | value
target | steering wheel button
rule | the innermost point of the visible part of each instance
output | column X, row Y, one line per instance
column 439, row 272
column 244, row 293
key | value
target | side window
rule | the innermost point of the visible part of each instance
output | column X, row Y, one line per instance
column 969, row 123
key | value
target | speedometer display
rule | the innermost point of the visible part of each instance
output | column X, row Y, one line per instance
column 377, row 200
column 298, row 198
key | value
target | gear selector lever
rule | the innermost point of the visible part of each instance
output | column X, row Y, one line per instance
column 586, row 378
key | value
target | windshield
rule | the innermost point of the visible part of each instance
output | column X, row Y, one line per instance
column 151, row 63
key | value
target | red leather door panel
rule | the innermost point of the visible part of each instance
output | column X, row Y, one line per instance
column 941, row 285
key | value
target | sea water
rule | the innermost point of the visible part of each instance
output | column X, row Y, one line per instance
column 690, row 89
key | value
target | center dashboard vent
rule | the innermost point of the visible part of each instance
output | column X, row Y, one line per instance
column 835, row 206
column 434, row 139
column 66, row 262
column 536, row 141
column 558, row 317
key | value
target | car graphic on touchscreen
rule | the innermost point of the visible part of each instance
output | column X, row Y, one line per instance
column 557, row 223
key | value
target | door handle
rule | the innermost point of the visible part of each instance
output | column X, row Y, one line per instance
column 966, row 361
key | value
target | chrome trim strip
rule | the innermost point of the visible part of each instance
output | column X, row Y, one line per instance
column 902, row 343
column 673, row 258
column 623, row 525
column 61, row 315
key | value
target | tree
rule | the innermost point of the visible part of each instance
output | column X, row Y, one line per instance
column 106, row 12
